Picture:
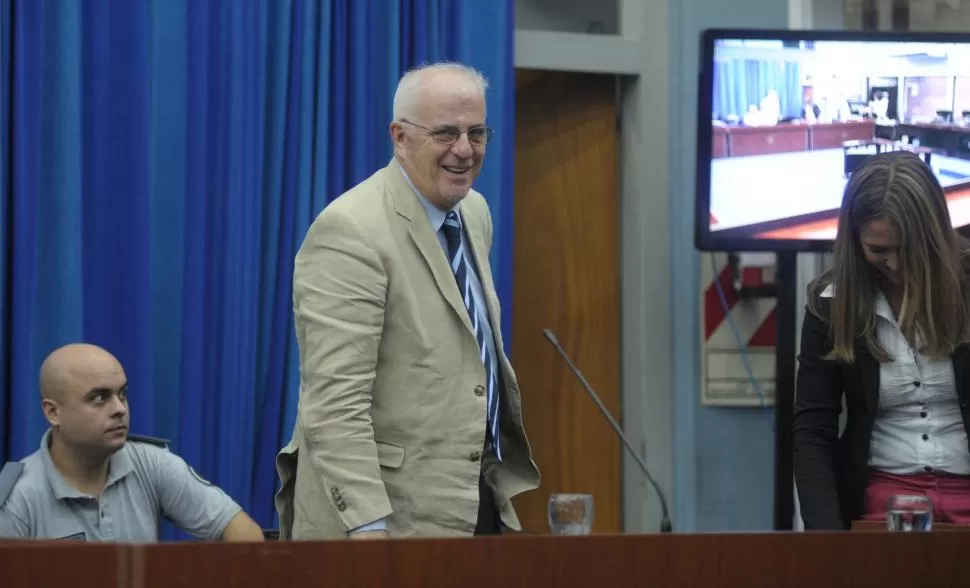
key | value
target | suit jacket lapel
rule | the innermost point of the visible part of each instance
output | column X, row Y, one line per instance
column 869, row 368
column 960, row 356
column 419, row 228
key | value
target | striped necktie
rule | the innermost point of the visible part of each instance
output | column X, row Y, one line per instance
column 459, row 265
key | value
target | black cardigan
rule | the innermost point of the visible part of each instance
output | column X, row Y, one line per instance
column 831, row 471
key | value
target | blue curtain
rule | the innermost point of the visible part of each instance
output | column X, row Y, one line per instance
column 740, row 83
column 160, row 163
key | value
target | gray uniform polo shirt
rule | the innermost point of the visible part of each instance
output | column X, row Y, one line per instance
column 145, row 483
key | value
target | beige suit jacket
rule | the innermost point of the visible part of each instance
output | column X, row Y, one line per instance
column 392, row 409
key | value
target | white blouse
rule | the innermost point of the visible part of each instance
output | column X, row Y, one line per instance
column 918, row 425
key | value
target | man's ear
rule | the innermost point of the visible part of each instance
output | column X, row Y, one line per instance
column 51, row 411
column 396, row 131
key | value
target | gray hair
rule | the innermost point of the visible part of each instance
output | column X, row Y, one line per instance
column 409, row 88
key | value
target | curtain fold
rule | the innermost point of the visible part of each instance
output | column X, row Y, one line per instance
column 742, row 83
column 160, row 163
column 6, row 17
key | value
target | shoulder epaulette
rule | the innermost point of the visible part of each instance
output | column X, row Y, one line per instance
column 150, row 440
column 8, row 478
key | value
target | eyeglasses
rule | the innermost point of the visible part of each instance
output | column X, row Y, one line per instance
column 449, row 134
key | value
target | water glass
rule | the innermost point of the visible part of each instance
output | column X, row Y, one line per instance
column 571, row 514
column 909, row 514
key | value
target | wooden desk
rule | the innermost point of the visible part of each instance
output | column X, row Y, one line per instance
column 919, row 150
column 781, row 138
column 792, row 560
column 947, row 139
column 719, row 142
column 64, row 564
column 880, row 527
column 739, row 141
column 833, row 135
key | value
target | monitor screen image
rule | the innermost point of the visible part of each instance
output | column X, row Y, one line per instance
column 785, row 117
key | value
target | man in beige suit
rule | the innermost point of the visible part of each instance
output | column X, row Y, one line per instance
column 409, row 421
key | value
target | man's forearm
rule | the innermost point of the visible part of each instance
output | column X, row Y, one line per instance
column 350, row 476
column 242, row 529
column 339, row 293
column 338, row 442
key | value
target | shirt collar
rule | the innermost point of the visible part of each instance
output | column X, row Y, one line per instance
column 119, row 466
column 882, row 307
column 435, row 215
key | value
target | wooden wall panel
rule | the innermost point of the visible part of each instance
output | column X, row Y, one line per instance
column 567, row 279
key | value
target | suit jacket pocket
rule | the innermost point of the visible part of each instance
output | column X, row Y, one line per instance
column 390, row 455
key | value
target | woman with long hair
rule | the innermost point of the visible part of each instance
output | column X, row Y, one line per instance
column 885, row 332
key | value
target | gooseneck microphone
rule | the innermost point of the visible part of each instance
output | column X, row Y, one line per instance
column 665, row 525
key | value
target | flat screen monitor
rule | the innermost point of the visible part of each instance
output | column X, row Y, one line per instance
column 785, row 117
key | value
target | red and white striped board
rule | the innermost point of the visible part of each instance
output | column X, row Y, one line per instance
column 724, row 379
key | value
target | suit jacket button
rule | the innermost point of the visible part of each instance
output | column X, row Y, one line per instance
column 479, row 390
column 334, row 492
column 341, row 507
column 475, row 456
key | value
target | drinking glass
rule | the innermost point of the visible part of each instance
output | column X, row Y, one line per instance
column 909, row 514
column 571, row 514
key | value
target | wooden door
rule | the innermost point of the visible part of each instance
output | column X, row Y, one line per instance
column 567, row 280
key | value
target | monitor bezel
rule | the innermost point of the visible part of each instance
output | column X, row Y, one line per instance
column 704, row 239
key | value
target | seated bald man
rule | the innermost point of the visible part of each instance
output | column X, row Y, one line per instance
column 91, row 481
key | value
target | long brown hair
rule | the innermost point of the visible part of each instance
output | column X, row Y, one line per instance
column 899, row 188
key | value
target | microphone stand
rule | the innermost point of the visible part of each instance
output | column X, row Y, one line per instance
column 665, row 524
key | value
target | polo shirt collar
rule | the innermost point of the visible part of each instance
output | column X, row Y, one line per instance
column 119, row 466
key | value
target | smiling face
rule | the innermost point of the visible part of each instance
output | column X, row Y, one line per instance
column 881, row 243
column 895, row 235
column 439, row 142
column 895, row 220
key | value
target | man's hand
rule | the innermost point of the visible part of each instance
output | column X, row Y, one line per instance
column 379, row 534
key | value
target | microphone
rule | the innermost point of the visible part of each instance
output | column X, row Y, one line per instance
column 665, row 525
